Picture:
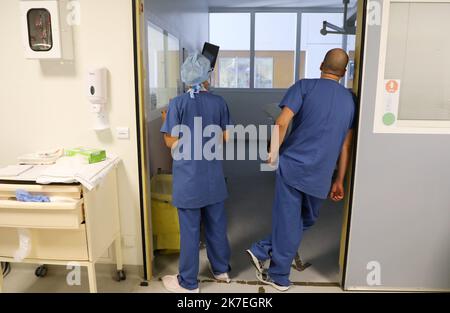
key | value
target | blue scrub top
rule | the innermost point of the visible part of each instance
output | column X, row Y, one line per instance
column 324, row 112
column 197, row 183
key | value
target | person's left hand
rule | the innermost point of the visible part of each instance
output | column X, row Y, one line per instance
column 337, row 191
column 272, row 159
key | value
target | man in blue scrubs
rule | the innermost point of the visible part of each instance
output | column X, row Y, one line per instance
column 322, row 113
column 199, row 188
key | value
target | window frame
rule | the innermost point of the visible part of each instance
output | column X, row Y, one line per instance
column 253, row 12
column 401, row 126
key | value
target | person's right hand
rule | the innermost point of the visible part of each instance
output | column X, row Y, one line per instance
column 337, row 191
column 164, row 115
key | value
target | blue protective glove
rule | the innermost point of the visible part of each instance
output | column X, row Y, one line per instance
column 25, row 196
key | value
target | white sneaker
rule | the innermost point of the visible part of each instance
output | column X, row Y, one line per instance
column 259, row 265
column 224, row 277
column 171, row 283
column 265, row 279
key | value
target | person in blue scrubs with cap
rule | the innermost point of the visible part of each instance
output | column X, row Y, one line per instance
column 322, row 113
column 199, row 188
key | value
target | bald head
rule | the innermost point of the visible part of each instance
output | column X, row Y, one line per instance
column 335, row 62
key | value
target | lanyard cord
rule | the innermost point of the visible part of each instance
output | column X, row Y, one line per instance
column 195, row 90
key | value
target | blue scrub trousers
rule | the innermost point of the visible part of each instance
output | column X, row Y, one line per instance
column 217, row 246
column 293, row 212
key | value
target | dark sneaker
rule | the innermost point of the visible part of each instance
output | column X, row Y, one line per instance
column 265, row 279
column 259, row 265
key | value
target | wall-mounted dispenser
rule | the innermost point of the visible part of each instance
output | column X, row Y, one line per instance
column 45, row 31
column 97, row 93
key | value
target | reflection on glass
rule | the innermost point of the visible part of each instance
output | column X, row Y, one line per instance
column 234, row 72
column 275, row 45
column 231, row 31
column 163, row 67
column 350, row 75
column 39, row 30
column 263, row 72
column 173, row 66
column 156, row 77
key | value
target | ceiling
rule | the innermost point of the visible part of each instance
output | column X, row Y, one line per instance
column 276, row 3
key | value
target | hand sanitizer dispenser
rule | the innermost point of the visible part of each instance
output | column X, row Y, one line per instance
column 97, row 92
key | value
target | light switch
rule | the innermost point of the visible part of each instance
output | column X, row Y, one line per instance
column 123, row 132
column 129, row 241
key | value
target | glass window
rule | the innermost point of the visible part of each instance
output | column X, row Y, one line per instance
column 163, row 67
column 350, row 76
column 40, row 30
column 264, row 73
column 173, row 66
column 418, row 58
column 231, row 31
column 234, row 72
column 314, row 45
column 275, row 46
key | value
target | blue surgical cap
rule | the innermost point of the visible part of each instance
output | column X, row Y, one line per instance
column 195, row 70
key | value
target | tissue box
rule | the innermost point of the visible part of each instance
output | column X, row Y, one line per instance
column 92, row 155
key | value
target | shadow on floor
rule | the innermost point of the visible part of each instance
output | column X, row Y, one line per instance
column 249, row 210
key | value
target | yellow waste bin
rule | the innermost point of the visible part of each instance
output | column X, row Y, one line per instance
column 166, row 228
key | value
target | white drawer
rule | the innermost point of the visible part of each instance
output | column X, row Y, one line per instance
column 48, row 244
column 49, row 215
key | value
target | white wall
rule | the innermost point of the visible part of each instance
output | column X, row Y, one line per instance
column 43, row 104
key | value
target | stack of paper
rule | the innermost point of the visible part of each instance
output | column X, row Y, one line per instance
column 41, row 158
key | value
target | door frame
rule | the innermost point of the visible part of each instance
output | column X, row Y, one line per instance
column 142, row 147
column 369, row 58
column 144, row 174
column 357, row 85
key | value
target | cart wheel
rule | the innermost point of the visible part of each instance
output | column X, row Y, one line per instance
column 41, row 271
column 121, row 275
